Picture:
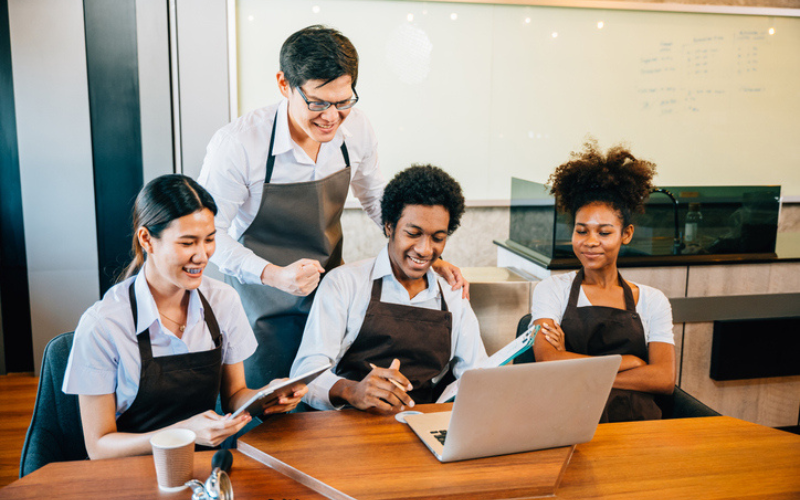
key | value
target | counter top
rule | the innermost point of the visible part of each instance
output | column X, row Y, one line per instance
column 787, row 249
column 491, row 275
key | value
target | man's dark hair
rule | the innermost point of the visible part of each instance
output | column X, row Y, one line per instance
column 318, row 53
column 422, row 185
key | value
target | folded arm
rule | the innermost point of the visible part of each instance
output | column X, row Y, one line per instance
column 657, row 376
column 550, row 345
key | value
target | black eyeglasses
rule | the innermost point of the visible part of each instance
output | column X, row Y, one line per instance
column 323, row 105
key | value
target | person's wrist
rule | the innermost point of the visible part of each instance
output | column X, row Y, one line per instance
column 268, row 274
column 341, row 392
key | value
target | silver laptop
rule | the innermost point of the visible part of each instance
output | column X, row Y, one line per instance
column 518, row 408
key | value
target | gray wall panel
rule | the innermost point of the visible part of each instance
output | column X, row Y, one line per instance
column 203, row 68
column 51, row 98
column 152, row 38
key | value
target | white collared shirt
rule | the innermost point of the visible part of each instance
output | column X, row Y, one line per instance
column 340, row 307
column 234, row 170
column 105, row 353
column 551, row 296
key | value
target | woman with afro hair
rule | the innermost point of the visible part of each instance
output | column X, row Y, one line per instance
column 594, row 311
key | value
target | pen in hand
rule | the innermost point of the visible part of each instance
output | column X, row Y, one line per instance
column 395, row 382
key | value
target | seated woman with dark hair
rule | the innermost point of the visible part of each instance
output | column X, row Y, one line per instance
column 594, row 311
column 161, row 345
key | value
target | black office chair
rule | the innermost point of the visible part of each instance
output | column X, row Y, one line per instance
column 55, row 433
column 679, row 404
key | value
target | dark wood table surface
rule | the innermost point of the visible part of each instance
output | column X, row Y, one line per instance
column 353, row 454
column 134, row 478
column 720, row 458
column 703, row 458
column 357, row 455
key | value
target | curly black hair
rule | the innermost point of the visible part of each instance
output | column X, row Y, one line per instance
column 422, row 185
column 616, row 178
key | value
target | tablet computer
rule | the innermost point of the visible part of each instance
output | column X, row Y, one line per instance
column 269, row 395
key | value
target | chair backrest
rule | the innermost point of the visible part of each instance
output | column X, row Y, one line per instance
column 681, row 404
column 527, row 356
column 55, row 433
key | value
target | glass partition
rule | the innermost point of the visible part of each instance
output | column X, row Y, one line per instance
column 678, row 220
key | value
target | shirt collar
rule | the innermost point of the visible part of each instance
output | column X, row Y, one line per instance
column 147, row 311
column 283, row 140
column 383, row 268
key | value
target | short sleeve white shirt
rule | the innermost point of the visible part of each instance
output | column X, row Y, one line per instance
column 339, row 309
column 551, row 295
column 105, row 353
column 234, row 171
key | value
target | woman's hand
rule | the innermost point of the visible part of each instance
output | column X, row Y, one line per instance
column 453, row 276
column 212, row 429
column 287, row 402
column 554, row 335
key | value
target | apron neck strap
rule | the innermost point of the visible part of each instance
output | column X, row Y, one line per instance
column 143, row 338
column 211, row 319
column 630, row 304
column 134, row 309
column 576, row 289
column 377, row 290
column 271, row 156
column 345, row 154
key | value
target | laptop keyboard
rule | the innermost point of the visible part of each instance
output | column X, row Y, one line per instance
column 440, row 435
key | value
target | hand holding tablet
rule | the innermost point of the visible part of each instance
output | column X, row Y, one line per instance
column 270, row 394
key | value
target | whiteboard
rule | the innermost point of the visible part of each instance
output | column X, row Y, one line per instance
column 490, row 92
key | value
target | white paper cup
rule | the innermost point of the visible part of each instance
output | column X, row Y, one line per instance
column 173, row 454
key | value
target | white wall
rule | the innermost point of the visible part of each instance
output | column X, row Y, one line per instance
column 203, row 75
column 490, row 91
column 155, row 95
column 55, row 157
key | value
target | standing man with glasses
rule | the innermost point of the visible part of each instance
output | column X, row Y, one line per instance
column 279, row 176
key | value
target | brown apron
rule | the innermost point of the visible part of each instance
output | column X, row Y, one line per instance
column 173, row 388
column 600, row 330
column 295, row 220
column 420, row 338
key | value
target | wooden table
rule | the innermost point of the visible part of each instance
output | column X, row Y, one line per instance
column 703, row 458
column 352, row 454
column 356, row 455
column 692, row 458
column 134, row 478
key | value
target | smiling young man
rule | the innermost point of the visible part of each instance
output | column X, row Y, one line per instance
column 280, row 177
column 392, row 328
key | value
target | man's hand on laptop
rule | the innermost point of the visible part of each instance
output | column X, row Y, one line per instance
column 382, row 391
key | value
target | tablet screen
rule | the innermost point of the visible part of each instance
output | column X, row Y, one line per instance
column 270, row 394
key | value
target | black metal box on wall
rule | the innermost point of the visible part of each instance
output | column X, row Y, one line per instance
column 755, row 348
